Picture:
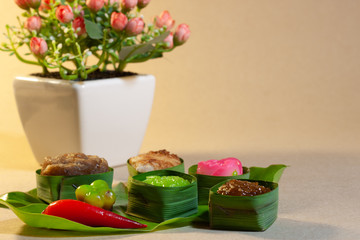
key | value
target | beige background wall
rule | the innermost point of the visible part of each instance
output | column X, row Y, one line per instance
column 255, row 77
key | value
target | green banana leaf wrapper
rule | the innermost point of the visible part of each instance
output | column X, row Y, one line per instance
column 158, row 204
column 178, row 168
column 247, row 213
column 52, row 188
column 205, row 182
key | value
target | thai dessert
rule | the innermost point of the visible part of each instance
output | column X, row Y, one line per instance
column 61, row 175
column 166, row 181
column 154, row 160
column 174, row 195
column 73, row 164
column 223, row 167
column 237, row 187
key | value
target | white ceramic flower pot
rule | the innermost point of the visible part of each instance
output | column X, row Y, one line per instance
column 106, row 117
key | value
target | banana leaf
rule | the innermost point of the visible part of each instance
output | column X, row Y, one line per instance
column 205, row 182
column 28, row 208
column 159, row 204
column 52, row 188
column 247, row 213
column 179, row 168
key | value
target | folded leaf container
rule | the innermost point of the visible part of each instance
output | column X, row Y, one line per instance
column 205, row 182
column 158, row 204
column 52, row 188
column 247, row 213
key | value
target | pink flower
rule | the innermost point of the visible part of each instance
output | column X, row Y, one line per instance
column 169, row 41
column 164, row 19
column 38, row 46
column 79, row 26
column 224, row 167
column 111, row 2
column 22, row 4
column 46, row 4
column 78, row 11
column 95, row 5
column 33, row 23
column 135, row 26
column 182, row 34
column 118, row 21
column 129, row 4
column 64, row 13
column 143, row 3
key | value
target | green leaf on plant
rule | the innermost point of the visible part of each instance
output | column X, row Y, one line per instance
column 63, row 2
column 93, row 29
column 142, row 49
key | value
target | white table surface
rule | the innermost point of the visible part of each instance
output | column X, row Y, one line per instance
column 319, row 198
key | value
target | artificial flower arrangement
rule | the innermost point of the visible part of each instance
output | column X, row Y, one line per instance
column 63, row 34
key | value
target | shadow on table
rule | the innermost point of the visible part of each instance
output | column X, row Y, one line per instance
column 293, row 229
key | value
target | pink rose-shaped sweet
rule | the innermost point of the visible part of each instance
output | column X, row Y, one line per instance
column 64, row 13
column 129, row 4
column 79, row 26
column 135, row 26
column 33, row 3
column 118, row 21
column 224, row 167
column 22, row 4
column 95, row 5
column 164, row 19
column 38, row 46
column 169, row 41
column 182, row 34
column 33, row 23
column 143, row 3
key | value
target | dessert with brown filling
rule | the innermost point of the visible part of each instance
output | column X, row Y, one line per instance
column 72, row 164
column 154, row 160
column 242, row 188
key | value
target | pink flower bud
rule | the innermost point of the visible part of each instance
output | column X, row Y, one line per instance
column 46, row 4
column 64, row 13
column 143, row 3
column 169, row 41
column 78, row 11
column 38, row 46
column 79, row 26
column 22, row 4
column 33, row 3
column 135, row 26
column 224, row 167
column 164, row 19
column 118, row 21
column 111, row 2
column 95, row 5
column 182, row 34
column 129, row 4
column 33, row 23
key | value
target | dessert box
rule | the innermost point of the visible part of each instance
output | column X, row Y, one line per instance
column 248, row 213
column 155, row 203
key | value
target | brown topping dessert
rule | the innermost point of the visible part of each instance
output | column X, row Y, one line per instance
column 154, row 160
column 72, row 164
column 242, row 188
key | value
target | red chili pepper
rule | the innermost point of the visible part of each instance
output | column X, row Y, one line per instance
column 90, row 215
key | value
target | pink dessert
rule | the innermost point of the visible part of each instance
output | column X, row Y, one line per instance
column 223, row 167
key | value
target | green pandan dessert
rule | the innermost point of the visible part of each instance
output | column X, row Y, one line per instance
column 166, row 181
